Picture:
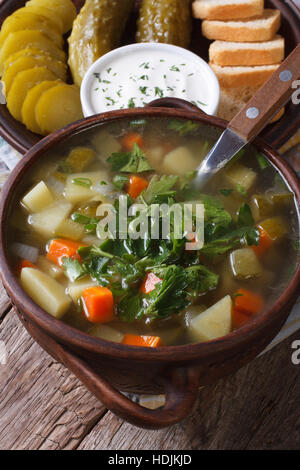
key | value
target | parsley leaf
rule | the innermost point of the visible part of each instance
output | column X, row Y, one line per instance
column 183, row 128
column 129, row 162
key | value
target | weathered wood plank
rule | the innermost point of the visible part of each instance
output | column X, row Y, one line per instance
column 4, row 301
column 256, row 408
column 42, row 406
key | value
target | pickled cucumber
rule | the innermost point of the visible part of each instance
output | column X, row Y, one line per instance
column 167, row 21
column 64, row 9
column 28, row 38
column 96, row 30
column 58, row 107
column 31, row 100
column 25, row 63
column 43, row 11
column 32, row 21
column 23, row 82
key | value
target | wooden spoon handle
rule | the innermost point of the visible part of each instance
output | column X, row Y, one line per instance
column 269, row 99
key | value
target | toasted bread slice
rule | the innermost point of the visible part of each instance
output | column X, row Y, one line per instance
column 253, row 76
column 256, row 29
column 233, row 100
column 227, row 9
column 247, row 53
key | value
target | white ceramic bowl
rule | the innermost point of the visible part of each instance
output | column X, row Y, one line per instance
column 203, row 76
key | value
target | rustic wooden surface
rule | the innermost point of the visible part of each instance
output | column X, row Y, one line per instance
column 43, row 406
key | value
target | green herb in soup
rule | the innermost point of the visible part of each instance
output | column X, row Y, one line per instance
column 100, row 240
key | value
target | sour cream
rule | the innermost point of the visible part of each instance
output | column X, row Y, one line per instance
column 134, row 75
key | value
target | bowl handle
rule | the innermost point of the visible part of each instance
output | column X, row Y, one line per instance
column 181, row 388
column 174, row 103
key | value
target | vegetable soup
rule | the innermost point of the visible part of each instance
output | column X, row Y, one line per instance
column 91, row 268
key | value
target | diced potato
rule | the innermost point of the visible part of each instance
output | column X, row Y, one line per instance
column 29, row 20
column 23, row 82
column 28, row 62
column 261, row 207
column 107, row 332
column 75, row 289
column 238, row 174
column 155, row 156
column 47, row 221
column 192, row 312
column 45, row 291
column 179, row 161
column 32, row 97
column 76, row 193
column 27, row 39
column 106, row 144
column 213, row 322
column 58, row 107
column 91, row 240
column 43, row 11
column 38, row 198
column 49, row 268
column 276, row 228
column 244, row 264
column 80, row 157
column 64, row 9
column 70, row 229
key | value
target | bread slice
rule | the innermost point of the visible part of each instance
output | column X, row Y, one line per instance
column 227, row 9
column 256, row 29
column 252, row 77
column 247, row 53
column 233, row 100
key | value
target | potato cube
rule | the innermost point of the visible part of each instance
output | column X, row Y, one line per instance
column 49, row 268
column 244, row 264
column 47, row 221
column 77, row 193
column 38, row 198
column 107, row 333
column 45, row 291
column 179, row 161
column 238, row 174
column 213, row 322
column 70, row 229
column 76, row 288
column 106, row 144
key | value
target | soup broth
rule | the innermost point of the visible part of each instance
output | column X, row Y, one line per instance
column 152, row 291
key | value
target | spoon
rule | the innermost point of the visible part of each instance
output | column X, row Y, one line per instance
column 253, row 117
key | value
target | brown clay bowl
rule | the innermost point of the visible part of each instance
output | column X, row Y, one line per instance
column 106, row 367
column 275, row 134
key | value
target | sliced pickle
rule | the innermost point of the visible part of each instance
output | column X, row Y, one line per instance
column 29, row 20
column 25, row 63
column 64, row 9
column 31, row 100
column 58, row 107
column 23, row 82
column 28, row 39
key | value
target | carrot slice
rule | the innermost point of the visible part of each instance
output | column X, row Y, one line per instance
column 248, row 302
column 60, row 247
column 136, row 185
column 146, row 341
column 98, row 304
column 130, row 139
column 149, row 283
column 239, row 319
column 264, row 242
column 26, row 264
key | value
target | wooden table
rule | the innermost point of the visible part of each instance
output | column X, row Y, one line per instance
column 43, row 406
